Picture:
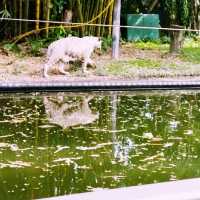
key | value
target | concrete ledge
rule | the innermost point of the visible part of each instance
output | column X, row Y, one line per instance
column 176, row 190
column 96, row 85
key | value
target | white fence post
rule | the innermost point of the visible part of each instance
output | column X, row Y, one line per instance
column 116, row 29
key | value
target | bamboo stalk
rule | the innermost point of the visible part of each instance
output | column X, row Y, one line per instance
column 20, row 16
column 110, row 18
column 44, row 9
column 15, row 16
column 48, row 3
column 87, row 14
column 80, row 16
column 26, row 15
column 92, row 10
column 105, row 18
column 37, row 16
column 100, row 18
column 95, row 13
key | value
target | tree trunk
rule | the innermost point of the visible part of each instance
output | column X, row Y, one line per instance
column 195, row 14
column 177, row 37
column 197, row 5
column 116, row 29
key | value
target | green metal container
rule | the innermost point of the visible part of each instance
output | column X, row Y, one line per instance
column 147, row 20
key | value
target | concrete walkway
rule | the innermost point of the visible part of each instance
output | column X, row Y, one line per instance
column 176, row 190
column 96, row 84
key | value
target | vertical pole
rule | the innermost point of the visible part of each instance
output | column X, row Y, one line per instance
column 37, row 15
column 116, row 29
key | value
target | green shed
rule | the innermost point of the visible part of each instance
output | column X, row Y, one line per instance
column 143, row 20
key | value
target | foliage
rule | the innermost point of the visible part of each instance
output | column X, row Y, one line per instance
column 177, row 11
column 165, row 39
column 93, row 11
column 60, row 32
column 134, row 6
column 191, row 54
column 191, row 50
column 11, row 47
column 174, row 11
column 35, row 46
column 170, row 9
column 151, row 45
column 183, row 12
column 106, row 43
column 57, row 7
column 4, row 13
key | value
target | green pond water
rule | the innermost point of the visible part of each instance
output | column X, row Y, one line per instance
column 63, row 143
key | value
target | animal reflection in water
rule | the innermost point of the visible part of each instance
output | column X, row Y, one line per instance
column 68, row 113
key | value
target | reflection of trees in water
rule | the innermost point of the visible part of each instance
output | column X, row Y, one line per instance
column 173, row 121
column 121, row 149
column 69, row 113
column 167, row 118
column 138, row 159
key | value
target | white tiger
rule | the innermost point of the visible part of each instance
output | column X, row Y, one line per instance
column 69, row 49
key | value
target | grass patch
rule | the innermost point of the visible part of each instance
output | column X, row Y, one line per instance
column 144, row 63
column 123, row 67
column 11, row 47
column 35, row 46
column 117, row 68
column 190, row 54
column 192, row 43
column 151, row 45
column 191, row 50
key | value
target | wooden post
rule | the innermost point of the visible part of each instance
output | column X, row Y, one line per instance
column 116, row 29
column 177, row 37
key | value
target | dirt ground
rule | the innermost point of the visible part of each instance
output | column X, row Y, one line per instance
column 29, row 68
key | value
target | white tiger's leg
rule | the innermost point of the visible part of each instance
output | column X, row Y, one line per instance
column 46, row 67
column 65, row 60
column 51, row 61
column 87, row 61
column 61, row 69
column 90, row 61
column 84, row 67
